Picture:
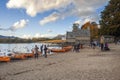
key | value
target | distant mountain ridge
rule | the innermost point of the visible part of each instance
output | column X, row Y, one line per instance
column 56, row 37
column 1, row 36
column 59, row 36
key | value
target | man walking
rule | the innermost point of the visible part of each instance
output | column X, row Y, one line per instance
column 45, row 51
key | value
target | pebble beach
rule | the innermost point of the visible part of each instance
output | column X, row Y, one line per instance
column 88, row 64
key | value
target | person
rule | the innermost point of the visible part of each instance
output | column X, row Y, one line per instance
column 41, row 49
column 102, row 43
column 91, row 43
column 74, row 48
column 94, row 45
column 36, row 51
column 106, row 48
column 45, row 51
column 78, row 47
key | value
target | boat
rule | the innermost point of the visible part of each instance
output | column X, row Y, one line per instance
column 29, row 55
column 58, row 50
column 18, row 56
column 67, row 48
column 4, row 57
column 64, row 49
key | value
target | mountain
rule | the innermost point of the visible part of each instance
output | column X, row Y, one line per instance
column 1, row 36
column 59, row 36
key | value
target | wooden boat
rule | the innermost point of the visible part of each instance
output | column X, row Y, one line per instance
column 67, row 48
column 64, row 49
column 4, row 58
column 58, row 50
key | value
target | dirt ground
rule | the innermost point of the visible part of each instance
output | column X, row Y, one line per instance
column 88, row 64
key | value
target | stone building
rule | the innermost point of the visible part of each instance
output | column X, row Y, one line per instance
column 78, row 35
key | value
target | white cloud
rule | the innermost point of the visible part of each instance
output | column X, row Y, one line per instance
column 19, row 24
column 26, row 36
column 51, row 18
column 84, row 20
column 79, row 8
column 48, row 35
column 37, row 6
column 38, row 35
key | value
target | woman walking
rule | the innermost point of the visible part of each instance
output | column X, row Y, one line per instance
column 36, row 51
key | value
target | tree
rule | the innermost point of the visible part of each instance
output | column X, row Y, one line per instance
column 110, row 19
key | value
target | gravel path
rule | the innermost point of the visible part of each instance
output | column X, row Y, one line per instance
column 88, row 64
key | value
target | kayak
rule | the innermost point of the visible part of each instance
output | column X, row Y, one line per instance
column 4, row 58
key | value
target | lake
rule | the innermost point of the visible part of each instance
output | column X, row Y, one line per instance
column 20, row 47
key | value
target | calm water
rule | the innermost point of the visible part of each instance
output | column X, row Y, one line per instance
column 17, row 47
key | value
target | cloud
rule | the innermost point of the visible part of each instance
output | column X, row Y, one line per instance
column 48, row 35
column 84, row 20
column 26, row 36
column 49, row 30
column 80, row 8
column 61, row 14
column 37, row 6
column 38, row 35
column 19, row 24
column 51, row 18
column 64, row 8
column 2, row 29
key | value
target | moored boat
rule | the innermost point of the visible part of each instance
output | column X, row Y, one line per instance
column 29, row 54
column 64, row 49
column 4, row 57
column 17, row 56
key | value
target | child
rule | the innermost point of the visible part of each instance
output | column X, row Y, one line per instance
column 106, row 48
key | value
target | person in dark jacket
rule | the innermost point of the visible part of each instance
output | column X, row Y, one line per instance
column 45, row 51
column 78, row 47
column 41, row 49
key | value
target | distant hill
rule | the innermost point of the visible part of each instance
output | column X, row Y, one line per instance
column 59, row 36
column 1, row 36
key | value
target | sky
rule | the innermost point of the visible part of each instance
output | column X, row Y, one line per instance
column 46, row 18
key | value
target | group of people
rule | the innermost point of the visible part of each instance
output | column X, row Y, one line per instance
column 43, row 50
column 76, row 47
column 104, row 45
